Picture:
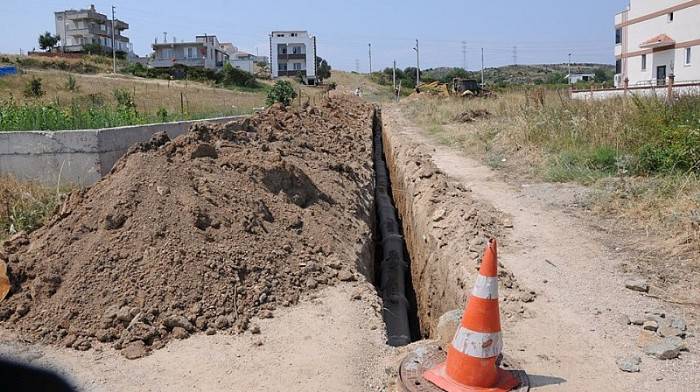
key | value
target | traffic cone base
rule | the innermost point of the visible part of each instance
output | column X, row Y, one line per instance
column 505, row 381
column 471, row 358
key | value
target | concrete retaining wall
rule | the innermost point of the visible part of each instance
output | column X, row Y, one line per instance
column 658, row 92
column 77, row 157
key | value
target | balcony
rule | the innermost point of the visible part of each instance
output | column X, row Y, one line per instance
column 292, row 56
column 167, row 63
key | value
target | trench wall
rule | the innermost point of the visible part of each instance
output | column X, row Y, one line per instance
column 79, row 157
column 445, row 229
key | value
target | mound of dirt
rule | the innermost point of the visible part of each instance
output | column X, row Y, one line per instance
column 472, row 115
column 200, row 233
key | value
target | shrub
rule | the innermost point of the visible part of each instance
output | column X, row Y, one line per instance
column 71, row 84
column 232, row 76
column 162, row 114
column 125, row 99
column 34, row 88
column 282, row 92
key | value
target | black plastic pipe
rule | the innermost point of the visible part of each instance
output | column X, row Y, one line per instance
column 393, row 267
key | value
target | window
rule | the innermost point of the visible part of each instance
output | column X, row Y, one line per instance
column 618, row 67
column 688, row 53
column 293, row 34
column 296, row 49
column 190, row 53
column 670, row 17
column 297, row 66
column 282, row 66
column 618, row 36
column 280, row 35
column 644, row 62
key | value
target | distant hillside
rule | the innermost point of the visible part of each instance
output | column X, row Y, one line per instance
column 521, row 74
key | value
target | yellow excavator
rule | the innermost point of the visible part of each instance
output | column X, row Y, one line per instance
column 460, row 88
column 4, row 281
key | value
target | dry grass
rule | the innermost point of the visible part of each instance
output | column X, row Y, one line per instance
column 595, row 144
column 150, row 94
column 25, row 206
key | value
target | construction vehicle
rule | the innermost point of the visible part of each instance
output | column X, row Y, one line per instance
column 460, row 88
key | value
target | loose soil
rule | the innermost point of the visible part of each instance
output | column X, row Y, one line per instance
column 201, row 233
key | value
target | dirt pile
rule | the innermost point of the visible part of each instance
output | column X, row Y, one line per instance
column 200, row 233
column 472, row 115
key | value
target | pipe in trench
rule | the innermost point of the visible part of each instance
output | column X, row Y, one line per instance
column 394, row 267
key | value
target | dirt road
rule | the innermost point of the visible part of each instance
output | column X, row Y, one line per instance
column 329, row 342
column 572, row 334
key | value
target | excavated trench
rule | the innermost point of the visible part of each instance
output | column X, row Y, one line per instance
column 429, row 234
column 392, row 261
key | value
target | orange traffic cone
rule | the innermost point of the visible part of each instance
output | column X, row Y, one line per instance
column 471, row 358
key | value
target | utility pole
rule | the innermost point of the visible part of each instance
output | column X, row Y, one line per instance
column 165, row 37
column 65, row 32
column 464, row 55
column 569, row 69
column 394, row 75
column 357, row 65
column 114, row 51
column 417, row 49
column 482, row 67
column 515, row 55
column 370, row 58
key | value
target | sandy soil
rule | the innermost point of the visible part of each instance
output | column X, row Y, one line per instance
column 342, row 349
column 572, row 337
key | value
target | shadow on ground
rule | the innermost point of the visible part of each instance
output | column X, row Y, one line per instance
column 541, row 381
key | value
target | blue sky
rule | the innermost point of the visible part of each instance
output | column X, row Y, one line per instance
column 543, row 31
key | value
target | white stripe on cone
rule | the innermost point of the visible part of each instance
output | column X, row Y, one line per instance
column 477, row 344
column 486, row 287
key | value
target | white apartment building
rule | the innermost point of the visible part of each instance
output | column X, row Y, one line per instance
column 293, row 53
column 655, row 39
column 204, row 52
column 87, row 26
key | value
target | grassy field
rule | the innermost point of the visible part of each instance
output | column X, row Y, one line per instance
column 154, row 100
column 25, row 206
column 640, row 157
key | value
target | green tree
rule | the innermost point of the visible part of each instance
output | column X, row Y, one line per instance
column 556, row 78
column 282, row 92
column 602, row 76
column 324, row 69
column 48, row 42
column 93, row 48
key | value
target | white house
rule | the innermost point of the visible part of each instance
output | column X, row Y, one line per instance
column 293, row 53
column 574, row 78
column 78, row 28
column 204, row 52
column 655, row 39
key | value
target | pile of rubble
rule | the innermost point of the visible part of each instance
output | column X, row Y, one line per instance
column 201, row 233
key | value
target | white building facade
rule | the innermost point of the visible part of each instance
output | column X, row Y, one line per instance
column 79, row 28
column 204, row 52
column 656, row 39
column 293, row 53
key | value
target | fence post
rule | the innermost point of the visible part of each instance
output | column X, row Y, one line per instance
column 669, row 92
